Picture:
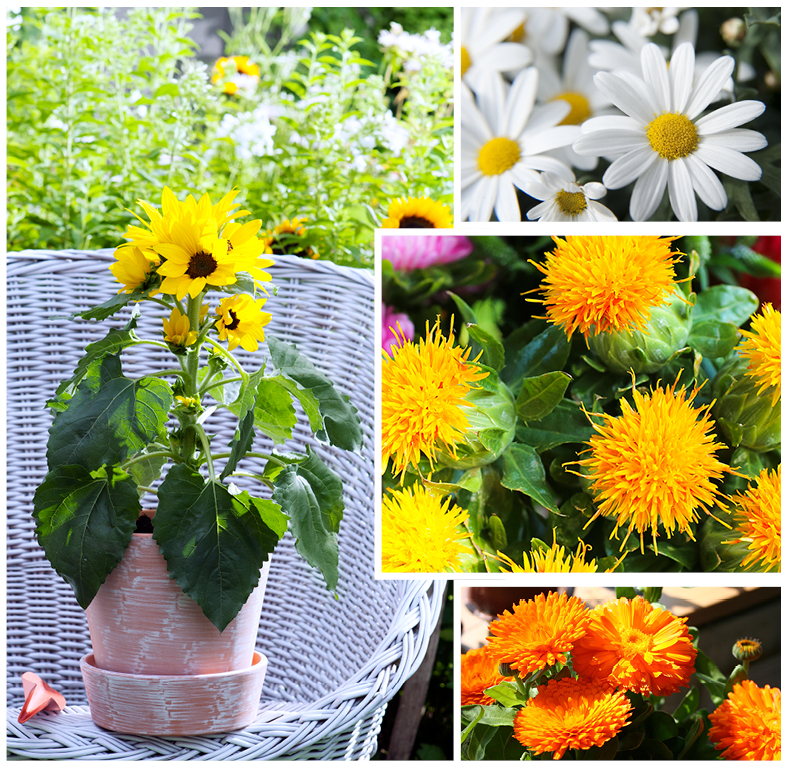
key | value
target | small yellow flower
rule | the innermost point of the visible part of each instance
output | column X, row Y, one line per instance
column 762, row 347
column 189, row 402
column 241, row 321
column 553, row 561
column 421, row 532
column 132, row 267
column 602, row 284
column 655, row 463
column 424, row 386
column 417, row 213
column 759, row 521
column 243, row 67
column 279, row 246
column 177, row 330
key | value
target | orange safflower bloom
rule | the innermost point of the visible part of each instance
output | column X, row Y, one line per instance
column 747, row 724
column 571, row 713
column 637, row 647
column 539, row 632
column 479, row 672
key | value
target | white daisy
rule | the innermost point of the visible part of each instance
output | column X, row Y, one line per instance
column 649, row 21
column 563, row 199
column 502, row 142
column 663, row 140
column 575, row 86
column 483, row 53
column 547, row 28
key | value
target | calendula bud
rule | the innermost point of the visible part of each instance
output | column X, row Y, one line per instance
column 492, row 421
column 646, row 350
column 504, row 669
column 747, row 650
column 733, row 31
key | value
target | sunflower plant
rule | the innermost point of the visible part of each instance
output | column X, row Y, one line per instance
column 596, row 404
column 559, row 680
column 115, row 438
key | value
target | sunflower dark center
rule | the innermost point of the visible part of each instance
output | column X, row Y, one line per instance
column 234, row 322
column 201, row 264
column 415, row 222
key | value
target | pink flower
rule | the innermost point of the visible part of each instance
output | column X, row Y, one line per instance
column 390, row 320
column 407, row 253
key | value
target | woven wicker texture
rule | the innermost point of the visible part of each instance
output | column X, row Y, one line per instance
column 333, row 663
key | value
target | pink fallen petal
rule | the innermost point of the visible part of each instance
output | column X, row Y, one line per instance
column 39, row 696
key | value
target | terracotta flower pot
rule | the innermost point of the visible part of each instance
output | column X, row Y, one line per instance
column 141, row 622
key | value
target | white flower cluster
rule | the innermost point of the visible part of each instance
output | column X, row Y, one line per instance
column 413, row 47
column 251, row 132
column 531, row 115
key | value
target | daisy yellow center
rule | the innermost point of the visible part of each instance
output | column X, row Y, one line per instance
column 571, row 203
column 580, row 108
column 465, row 60
column 498, row 155
column 672, row 136
column 519, row 34
column 201, row 264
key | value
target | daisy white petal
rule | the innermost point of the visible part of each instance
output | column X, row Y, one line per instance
column 729, row 161
column 600, row 212
column 656, row 75
column 729, row 116
column 648, row 191
column 624, row 96
column 607, row 123
column 563, row 199
column 539, row 210
column 520, row 103
column 682, row 68
column 610, row 144
column 626, row 169
column 706, row 184
column 594, row 190
column 708, row 85
column 506, row 206
column 740, row 139
column 682, row 195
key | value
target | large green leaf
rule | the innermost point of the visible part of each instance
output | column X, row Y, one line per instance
column 523, row 470
column 113, row 305
column 340, row 418
column 540, row 394
column 241, row 443
column 547, row 352
column 115, row 341
column 724, row 303
column 274, row 413
column 565, row 424
column 712, row 338
column 215, row 543
column 84, row 522
column 109, row 418
column 308, row 403
column 311, row 494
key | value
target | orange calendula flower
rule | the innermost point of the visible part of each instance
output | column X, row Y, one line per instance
column 539, row 632
column 553, row 560
column 747, row 725
column 762, row 347
column 636, row 646
column 655, row 463
column 417, row 213
column 479, row 673
column 424, row 389
column 602, row 284
column 246, row 76
column 571, row 713
column 759, row 520
column 421, row 532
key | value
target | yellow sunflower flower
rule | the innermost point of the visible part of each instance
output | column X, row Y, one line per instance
column 636, row 646
column 603, row 284
column 294, row 227
column 479, row 671
column 554, row 560
column 539, row 632
column 177, row 330
column 571, row 713
column 132, row 267
column 247, row 249
column 195, row 259
column 421, row 532
column 759, row 521
column 417, row 213
column 241, row 321
column 244, row 67
column 747, row 725
column 424, row 386
column 762, row 347
column 655, row 463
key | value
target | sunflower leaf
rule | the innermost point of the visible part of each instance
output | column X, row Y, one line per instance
column 240, row 444
column 274, row 413
column 84, row 522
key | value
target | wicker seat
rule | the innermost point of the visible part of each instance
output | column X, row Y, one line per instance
column 334, row 663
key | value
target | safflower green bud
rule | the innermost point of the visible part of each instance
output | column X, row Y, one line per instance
column 649, row 349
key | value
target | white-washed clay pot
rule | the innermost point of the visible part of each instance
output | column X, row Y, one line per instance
column 142, row 704
column 141, row 622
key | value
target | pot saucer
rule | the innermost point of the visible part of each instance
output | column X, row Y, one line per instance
column 141, row 704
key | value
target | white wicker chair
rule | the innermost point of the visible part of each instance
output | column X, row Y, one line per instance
column 333, row 663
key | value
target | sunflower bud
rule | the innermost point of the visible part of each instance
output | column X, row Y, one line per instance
column 646, row 350
column 746, row 418
column 491, row 428
column 747, row 650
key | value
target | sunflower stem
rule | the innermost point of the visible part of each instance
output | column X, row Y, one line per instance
column 229, row 357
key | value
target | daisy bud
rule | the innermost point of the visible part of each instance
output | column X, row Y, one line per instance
column 771, row 81
column 491, row 420
column 733, row 31
column 747, row 650
column 646, row 350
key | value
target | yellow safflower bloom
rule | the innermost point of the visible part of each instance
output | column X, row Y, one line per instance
column 762, row 347
column 758, row 515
